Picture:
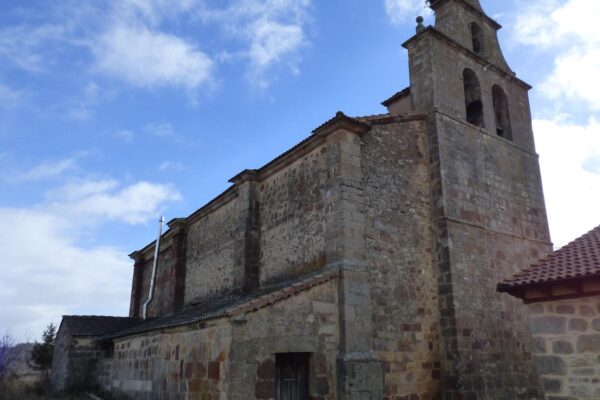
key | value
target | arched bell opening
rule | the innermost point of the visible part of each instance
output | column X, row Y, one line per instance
column 501, row 113
column 477, row 38
column 473, row 102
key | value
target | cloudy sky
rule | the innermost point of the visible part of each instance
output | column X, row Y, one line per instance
column 114, row 112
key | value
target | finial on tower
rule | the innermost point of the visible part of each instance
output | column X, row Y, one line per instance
column 420, row 26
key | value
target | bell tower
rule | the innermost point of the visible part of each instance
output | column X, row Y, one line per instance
column 489, row 216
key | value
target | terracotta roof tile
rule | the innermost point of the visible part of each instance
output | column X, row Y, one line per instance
column 578, row 259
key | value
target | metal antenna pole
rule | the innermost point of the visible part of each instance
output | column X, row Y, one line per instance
column 154, row 265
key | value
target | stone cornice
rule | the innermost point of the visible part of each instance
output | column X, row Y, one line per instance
column 218, row 202
column 147, row 253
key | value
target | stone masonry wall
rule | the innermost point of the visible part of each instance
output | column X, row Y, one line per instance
column 74, row 363
column 398, row 247
column 495, row 217
column 211, row 270
column 455, row 22
column 60, row 356
column 162, row 299
column 443, row 89
column 304, row 323
column 566, row 338
column 177, row 364
column 292, row 237
column 489, row 215
column 496, row 223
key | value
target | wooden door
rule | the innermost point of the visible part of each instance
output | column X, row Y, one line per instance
column 292, row 376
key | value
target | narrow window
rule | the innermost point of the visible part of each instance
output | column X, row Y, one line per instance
column 501, row 113
column 292, row 376
column 473, row 101
column 477, row 38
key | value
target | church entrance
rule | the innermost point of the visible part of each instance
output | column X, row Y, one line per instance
column 292, row 376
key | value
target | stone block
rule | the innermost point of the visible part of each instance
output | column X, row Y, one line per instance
column 589, row 343
column 551, row 385
column 586, row 311
column 539, row 345
column 214, row 370
column 324, row 308
column 565, row 309
column 578, row 324
column 562, row 347
column 583, row 371
column 596, row 324
column 548, row 325
column 266, row 370
column 536, row 309
column 265, row 390
column 551, row 365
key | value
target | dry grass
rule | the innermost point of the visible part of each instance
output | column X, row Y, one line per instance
column 13, row 388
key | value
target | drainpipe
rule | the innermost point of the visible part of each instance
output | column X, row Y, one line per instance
column 154, row 265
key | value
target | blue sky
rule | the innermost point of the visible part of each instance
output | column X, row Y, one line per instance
column 113, row 113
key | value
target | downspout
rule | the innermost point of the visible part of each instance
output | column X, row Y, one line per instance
column 154, row 265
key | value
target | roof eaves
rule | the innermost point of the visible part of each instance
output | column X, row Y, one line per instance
column 251, row 304
column 397, row 96
column 342, row 121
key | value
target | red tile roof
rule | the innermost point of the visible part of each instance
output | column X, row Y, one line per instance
column 579, row 259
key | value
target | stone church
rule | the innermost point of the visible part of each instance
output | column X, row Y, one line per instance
column 360, row 264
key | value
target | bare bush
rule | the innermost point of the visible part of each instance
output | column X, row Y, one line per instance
column 6, row 342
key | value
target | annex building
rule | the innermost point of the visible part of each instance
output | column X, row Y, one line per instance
column 360, row 264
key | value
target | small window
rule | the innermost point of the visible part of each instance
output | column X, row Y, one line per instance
column 501, row 113
column 473, row 102
column 477, row 38
column 292, row 376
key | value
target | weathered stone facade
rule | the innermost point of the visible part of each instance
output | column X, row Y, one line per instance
column 232, row 358
column 77, row 352
column 566, row 345
column 167, row 364
column 373, row 248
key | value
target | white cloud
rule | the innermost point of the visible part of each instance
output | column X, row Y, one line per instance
column 125, row 135
column 104, row 200
column 569, row 28
column 45, row 170
column 25, row 47
column 47, row 271
column 152, row 12
column 147, row 58
column 571, row 186
column 9, row 97
column 160, row 129
column 273, row 32
column 126, row 39
column 171, row 166
column 82, row 107
column 402, row 11
column 272, row 41
column 573, row 69
column 132, row 41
